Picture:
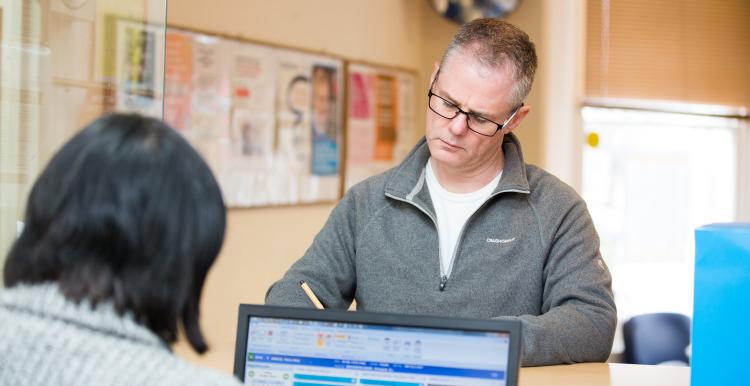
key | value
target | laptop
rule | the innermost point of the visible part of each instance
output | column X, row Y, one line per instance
column 282, row 346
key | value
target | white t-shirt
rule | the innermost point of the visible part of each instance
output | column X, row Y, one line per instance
column 452, row 210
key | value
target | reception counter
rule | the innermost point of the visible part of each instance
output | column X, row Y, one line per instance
column 605, row 374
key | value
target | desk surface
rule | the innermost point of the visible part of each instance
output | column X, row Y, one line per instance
column 605, row 374
column 583, row 374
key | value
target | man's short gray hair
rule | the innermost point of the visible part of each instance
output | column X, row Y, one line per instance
column 495, row 43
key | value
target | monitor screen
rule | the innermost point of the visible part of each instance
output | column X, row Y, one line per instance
column 293, row 352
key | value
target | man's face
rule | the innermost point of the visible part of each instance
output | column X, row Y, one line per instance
column 474, row 88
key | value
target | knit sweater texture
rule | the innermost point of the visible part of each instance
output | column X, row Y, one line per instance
column 46, row 339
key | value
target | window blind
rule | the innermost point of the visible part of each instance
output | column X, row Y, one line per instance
column 678, row 50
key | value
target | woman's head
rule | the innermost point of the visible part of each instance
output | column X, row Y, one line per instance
column 126, row 211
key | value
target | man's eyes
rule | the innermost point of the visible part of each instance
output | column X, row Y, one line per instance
column 479, row 119
column 475, row 118
column 448, row 104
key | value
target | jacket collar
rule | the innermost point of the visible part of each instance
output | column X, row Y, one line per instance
column 408, row 177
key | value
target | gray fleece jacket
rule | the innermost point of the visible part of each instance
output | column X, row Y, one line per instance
column 529, row 253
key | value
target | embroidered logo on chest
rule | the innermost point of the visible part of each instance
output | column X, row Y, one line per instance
column 500, row 241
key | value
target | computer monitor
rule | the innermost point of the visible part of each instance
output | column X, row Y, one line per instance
column 283, row 346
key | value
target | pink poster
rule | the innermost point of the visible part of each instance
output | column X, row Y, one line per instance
column 361, row 139
column 360, row 99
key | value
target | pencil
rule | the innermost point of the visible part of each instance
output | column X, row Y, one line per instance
column 311, row 294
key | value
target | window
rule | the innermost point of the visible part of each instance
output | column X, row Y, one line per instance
column 650, row 178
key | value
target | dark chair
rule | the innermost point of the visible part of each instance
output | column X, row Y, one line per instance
column 651, row 339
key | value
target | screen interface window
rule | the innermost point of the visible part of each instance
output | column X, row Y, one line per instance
column 288, row 352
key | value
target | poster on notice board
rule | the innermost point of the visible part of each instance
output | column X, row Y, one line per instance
column 267, row 120
column 380, row 120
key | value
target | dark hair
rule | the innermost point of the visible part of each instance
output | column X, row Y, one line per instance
column 496, row 42
column 128, row 212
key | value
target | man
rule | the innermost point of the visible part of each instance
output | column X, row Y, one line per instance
column 463, row 227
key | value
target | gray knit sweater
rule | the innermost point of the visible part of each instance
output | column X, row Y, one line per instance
column 46, row 339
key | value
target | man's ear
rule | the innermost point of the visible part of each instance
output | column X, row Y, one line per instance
column 517, row 119
column 435, row 68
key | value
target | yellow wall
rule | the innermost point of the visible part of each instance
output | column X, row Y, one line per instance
column 262, row 243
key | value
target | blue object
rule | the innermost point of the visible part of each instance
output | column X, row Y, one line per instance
column 651, row 339
column 377, row 382
column 721, row 321
column 324, row 378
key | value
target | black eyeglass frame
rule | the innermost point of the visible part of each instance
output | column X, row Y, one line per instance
column 500, row 126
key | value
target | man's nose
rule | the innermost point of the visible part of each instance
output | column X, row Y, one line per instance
column 459, row 125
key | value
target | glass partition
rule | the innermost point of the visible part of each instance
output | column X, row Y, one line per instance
column 62, row 64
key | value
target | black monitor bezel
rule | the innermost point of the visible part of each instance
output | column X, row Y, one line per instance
column 512, row 327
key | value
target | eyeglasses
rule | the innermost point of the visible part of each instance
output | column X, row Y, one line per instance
column 476, row 123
